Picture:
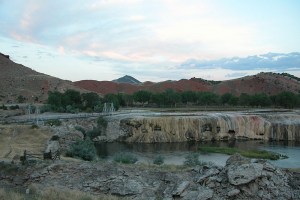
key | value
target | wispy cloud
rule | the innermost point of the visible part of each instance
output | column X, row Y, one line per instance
column 153, row 36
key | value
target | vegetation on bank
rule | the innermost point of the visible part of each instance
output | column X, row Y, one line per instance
column 83, row 149
column 49, row 193
column 72, row 101
column 192, row 160
column 126, row 158
column 259, row 154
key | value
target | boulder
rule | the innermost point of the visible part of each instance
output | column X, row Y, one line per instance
column 233, row 192
column 181, row 188
column 125, row 187
column 204, row 193
column 237, row 159
column 245, row 173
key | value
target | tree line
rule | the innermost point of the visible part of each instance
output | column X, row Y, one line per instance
column 73, row 101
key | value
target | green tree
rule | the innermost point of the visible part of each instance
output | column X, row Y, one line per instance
column 72, row 97
column 244, row 99
column 287, row 100
column 228, row 99
column 208, row 98
column 171, row 98
column 55, row 99
column 142, row 96
column 90, row 100
column 188, row 96
column 112, row 98
column 260, row 99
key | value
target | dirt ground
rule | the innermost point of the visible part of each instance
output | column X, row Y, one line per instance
column 14, row 139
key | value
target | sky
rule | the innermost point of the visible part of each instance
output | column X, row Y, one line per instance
column 152, row 40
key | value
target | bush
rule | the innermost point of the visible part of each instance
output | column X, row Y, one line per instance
column 3, row 107
column 83, row 149
column 192, row 160
column 46, row 108
column 95, row 132
column 158, row 160
column 53, row 122
column 34, row 126
column 125, row 158
column 102, row 122
column 80, row 128
column 15, row 107
column 55, row 138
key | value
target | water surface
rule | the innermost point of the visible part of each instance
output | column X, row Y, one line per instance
column 175, row 153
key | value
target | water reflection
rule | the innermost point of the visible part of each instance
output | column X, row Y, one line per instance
column 175, row 152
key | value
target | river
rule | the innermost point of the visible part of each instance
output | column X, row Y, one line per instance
column 175, row 153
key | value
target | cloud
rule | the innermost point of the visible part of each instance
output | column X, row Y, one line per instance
column 163, row 38
column 270, row 61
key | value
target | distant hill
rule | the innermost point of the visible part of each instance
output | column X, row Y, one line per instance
column 127, row 79
column 269, row 83
column 18, row 80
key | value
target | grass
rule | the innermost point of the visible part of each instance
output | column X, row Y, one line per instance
column 259, row 154
column 14, row 139
column 50, row 193
column 126, row 158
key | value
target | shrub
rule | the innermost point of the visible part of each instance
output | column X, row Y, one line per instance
column 46, row 108
column 53, row 122
column 3, row 107
column 102, row 122
column 15, row 107
column 83, row 149
column 34, row 126
column 80, row 128
column 95, row 132
column 193, row 160
column 55, row 138
column 158, row 160
column 125, row 158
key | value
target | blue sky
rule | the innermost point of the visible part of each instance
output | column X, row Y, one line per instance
column 152, row 40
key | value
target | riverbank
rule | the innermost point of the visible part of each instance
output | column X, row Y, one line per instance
column 241, row 178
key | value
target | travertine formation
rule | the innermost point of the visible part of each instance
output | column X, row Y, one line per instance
column 211, row 126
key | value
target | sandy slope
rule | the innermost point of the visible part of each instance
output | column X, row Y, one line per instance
column 14, row 139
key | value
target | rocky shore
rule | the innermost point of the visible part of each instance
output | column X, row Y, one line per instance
column 241, row 178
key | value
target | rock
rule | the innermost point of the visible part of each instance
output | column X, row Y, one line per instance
column 18, row 180
column 181, row 188
column 245, row 173
column 208, row 173
column 234, row 192
column 190, row 195
column 204, row 193
column 250, row 189
column 125, row 187
column 237, row 159
column 101, row 138
column 53, row 146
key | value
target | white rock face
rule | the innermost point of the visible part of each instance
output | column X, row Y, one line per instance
column 210, row 126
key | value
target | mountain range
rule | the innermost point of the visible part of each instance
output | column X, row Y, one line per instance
column 18, row 80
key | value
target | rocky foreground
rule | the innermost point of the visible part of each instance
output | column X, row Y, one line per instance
column 241, row 178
